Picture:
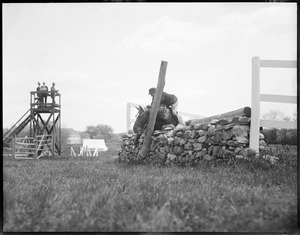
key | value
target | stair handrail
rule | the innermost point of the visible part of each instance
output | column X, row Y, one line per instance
column 15, row 124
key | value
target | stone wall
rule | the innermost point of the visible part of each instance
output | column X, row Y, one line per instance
column 218, row 140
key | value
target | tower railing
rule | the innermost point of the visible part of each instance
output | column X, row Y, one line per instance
column 36, row 99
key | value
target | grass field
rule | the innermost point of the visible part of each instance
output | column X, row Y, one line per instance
column 101, row 194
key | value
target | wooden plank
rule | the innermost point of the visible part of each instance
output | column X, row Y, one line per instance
column 255, row 104
column 44, row 127
column 54, row 121
column 14, row 146
column 7, row 154
column 25, row 144
column 278, row 63
column 278, row 98
column 242, row 111
column 278, row 124
column 154, row 109
column 6, row 148
column 8, row 133
column 24, row 138
column 25, row 149
column 53, row 131
column 26, row 158
column 47, row 151
column 39, row 146
column 23, row 153
column 41, row 136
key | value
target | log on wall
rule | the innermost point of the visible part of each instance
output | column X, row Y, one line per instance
column 245, row 111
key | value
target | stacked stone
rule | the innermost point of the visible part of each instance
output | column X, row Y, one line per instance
column 221, row 140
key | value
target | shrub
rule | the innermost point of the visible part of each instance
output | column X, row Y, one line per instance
column 280, row 136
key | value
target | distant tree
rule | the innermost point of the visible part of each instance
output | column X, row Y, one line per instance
column 5, row 129
column 65, row 133
column 273, row 115
column 24, row 132
column 292, row 136
column 100, row 132
column 84, row 135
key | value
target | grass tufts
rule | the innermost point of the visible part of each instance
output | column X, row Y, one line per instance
column 90, row 194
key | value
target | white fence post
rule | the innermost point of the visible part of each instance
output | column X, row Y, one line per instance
column 257, row 97
column 255, row 104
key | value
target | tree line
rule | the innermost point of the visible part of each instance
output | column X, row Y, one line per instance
column 280, row 136
column 102, row 131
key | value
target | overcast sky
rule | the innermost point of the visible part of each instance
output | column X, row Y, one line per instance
column 103, row 55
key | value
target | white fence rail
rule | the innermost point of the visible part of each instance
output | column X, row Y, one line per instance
column 257, row 97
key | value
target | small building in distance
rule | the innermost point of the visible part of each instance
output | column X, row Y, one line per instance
column 74, row 138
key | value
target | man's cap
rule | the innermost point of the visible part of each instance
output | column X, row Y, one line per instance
column 151, row 90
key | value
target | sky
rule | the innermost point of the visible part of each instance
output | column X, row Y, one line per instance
column 103, row 55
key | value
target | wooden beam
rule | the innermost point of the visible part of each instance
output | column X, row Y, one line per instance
column 45, row 124
column 246, row 111
column 278, row 124
column 278, row 64
column 54, row 123
column 278, row 98
column 25, row 144
column 14, row 146
column 154, row 109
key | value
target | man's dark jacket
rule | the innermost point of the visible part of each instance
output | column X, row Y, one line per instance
column 167, row 99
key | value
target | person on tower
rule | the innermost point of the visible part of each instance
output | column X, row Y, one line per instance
column 44, row 90
column 53, row 91
column 38, row 94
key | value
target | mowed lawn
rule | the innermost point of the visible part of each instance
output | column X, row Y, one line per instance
column 100, row 194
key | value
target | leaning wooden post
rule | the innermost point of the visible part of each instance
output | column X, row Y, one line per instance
column 154, row 109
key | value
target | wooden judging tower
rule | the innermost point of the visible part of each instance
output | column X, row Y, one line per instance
column 44, row 120
column 45, row 123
